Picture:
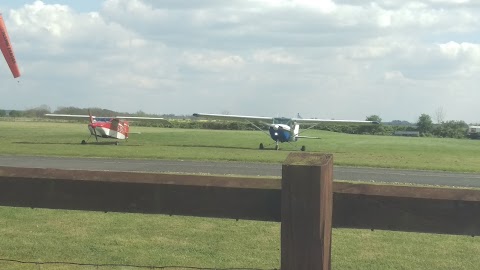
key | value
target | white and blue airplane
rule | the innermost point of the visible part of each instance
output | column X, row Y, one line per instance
column 282, row 129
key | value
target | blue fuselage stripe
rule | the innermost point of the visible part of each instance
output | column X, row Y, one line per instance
column 280, row 135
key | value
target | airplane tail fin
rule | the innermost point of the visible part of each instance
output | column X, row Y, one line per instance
column 296, row 130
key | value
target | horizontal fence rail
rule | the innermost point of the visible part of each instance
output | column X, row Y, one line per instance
column 193, row 195
column 368, row 206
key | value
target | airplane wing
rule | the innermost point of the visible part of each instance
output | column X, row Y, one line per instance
column 117, row 117
column 265, row 118
column 331, row 121
column 163, row 120
column 140, row 118
column 68, row 115
column 232, row 117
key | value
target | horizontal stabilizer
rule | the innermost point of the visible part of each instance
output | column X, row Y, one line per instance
column 307, row 137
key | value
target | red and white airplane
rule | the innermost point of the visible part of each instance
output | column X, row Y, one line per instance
column 107, row 127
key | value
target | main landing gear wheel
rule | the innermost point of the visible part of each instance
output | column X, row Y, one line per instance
column 261, row 146
column 84, row 142
column 276, row 145
column 117, row 143
column 303, row 148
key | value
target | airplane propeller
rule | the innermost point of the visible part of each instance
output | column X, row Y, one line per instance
column 91, row 122
column 95, row 132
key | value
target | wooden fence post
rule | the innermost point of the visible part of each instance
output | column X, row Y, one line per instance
column 307, row 198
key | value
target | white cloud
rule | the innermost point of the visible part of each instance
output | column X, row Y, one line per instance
column 275, row 56
column 335, row 59
column 451, row 1
column 213, row 61
column 459, row 50
column 394, row 75
column 54, row 20
column 324, row 6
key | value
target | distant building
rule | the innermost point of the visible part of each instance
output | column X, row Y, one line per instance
column 473, row 131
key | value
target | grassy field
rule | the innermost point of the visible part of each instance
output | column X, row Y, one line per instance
column 63, row 139
column 40, row 235
column 159, row 240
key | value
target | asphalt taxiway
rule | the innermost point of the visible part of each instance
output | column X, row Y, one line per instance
column 434, row 178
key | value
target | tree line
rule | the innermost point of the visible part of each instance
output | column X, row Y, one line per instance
column 424, row 125
column 445, row 129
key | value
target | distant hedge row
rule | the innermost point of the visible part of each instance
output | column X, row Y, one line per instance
column 193, row 124
column 446, row 130
column 232, row 125
column 443, row 130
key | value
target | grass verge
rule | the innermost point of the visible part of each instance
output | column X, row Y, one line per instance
column 63, row 139
column 42, row 235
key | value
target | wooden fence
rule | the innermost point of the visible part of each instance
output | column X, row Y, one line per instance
column 301, row 200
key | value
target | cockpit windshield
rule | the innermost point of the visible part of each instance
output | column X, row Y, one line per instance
column 103, row 119
column 281, row 120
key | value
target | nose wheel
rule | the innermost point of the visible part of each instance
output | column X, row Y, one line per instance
column 277, row 146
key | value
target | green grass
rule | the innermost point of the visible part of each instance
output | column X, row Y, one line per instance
column 40, row 235
column 63, row 139
column 114, row 238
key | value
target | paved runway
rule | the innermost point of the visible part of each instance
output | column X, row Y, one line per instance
column 241, row 168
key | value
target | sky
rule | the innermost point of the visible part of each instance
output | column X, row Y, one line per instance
column 345, row 59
